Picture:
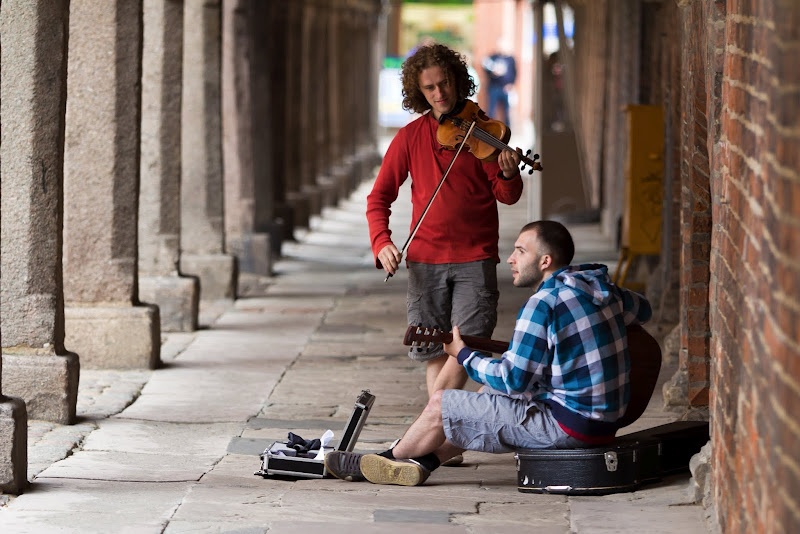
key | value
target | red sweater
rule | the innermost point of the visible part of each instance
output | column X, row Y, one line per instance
column 461, row 224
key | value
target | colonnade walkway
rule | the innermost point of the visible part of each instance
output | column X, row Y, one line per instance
column 175, row 449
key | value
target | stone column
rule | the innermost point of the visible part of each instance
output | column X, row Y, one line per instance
column 297, row 199
column 276, row 32
column 267, row 219
column 16, row 35
column 160, row 281
column 335, row 97
column 202, row 220
column 242, row 149
column 307, row 89
column 323, row 154
column 104, row 322
column 38, row 369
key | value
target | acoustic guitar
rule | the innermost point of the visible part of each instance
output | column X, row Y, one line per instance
column 643, row 349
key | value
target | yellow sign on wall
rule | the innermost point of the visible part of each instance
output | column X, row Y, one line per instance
column 644, row 175
column 643, row 184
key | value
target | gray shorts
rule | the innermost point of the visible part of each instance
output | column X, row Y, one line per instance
column 493, row 422
column 443, row 295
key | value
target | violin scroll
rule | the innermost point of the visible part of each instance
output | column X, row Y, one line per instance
column 534, row 165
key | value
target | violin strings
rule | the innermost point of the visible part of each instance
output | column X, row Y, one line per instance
column 484, row 136
column 489, row 139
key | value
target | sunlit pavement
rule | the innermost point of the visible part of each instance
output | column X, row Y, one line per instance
column 175, row 449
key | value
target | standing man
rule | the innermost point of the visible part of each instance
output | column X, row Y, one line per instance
column 501, row 71
column 564, row 381
column 452, row 260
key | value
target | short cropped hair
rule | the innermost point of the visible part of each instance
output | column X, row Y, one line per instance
column 436, row 55
column 554, row 239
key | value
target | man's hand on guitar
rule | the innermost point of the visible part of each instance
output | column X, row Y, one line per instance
column 456, row 345
column 390, row 258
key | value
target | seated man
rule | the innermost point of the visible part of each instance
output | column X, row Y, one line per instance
column 562, row 383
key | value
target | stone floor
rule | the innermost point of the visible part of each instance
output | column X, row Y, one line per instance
column 175, row 449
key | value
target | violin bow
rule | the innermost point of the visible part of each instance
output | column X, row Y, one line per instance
column 436, row 192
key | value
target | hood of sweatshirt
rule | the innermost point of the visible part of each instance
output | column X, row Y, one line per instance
column 590, row 279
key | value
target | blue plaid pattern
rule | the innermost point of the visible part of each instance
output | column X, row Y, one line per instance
column 569, row 349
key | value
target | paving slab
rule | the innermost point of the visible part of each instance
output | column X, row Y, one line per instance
column 130, row 467
column 664, row 508
column 92, row 506
column 154, row 437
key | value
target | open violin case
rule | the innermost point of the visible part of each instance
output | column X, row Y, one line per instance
column 279, row 459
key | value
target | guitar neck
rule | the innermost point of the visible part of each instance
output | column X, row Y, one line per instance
column 481, row 344
column 485, row 345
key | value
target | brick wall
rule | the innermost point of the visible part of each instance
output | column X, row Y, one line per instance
column 755, row 267
column 728, row 75
column 698, row 93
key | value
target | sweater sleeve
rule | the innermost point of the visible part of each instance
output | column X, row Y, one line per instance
column 527, row 357
column 636, row 308
column 507, row 191
column 393, row 172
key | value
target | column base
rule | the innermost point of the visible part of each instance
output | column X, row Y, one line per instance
column 177, row 298
column 329, row 191
column 13, row 446
column 342, row 178
column 300, row 207
column 218, row 274
column 284, row 223
column 254, row 252
column 47, row 383
column 125, row 337
column 314, row 196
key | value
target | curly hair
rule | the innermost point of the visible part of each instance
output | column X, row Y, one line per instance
column 451, row 62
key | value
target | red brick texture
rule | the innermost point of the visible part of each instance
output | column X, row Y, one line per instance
column 699, row 91
column 728, row 75
column 754, row 308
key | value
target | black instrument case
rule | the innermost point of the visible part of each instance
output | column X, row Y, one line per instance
column 624, row 465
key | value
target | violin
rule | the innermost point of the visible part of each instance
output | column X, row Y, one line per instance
column 488, row 138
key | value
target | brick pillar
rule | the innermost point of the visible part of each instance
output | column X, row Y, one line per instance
column 16, row 35
column 160, row 191
column 104, row 322
column 38, row 369
column 202, row 220
column 695, row 212
column 241, row 148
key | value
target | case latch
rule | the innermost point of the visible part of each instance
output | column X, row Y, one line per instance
column 611, row 460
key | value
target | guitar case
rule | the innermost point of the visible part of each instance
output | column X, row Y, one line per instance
column 626, row 464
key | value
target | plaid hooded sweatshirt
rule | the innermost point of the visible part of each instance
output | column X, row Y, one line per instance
column 570, row 351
